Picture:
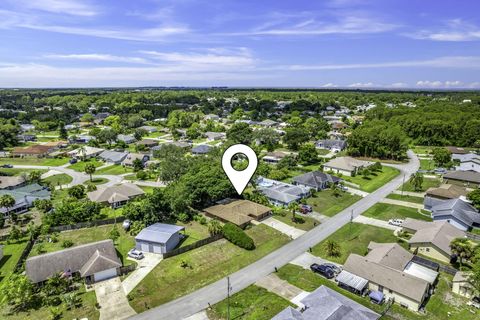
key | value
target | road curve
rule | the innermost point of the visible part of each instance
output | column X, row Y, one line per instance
column 215, row 292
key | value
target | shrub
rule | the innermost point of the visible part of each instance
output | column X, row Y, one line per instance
column 67, row 243
column 183, row 217
column 142, row 175
column 237, row 236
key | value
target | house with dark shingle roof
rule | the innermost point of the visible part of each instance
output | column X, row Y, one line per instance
column 201, row 149
column 458, row 213
column 316, row 180
column 280, row 193
column 24, row 197
column 469, row 179
column 434, row 196
column 239, row 212
column 115, row 196
column 110, row 156
column 331, row 144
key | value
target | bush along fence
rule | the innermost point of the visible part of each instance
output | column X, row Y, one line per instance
column 87, row 224
column 192, row 246
column 24, row 255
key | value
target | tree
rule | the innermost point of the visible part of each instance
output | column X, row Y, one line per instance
column 62, row 132
column 293, row 206
column 441, row 157
column 474, row 278
column 43, row 205
column 107, row 135
column 295, row 137
column 137, row 165
column 34, row 176
column 8, row 202
column 114, row 234
column 77, row 192
column 332, row 248
column 462, row 248
column 32, row 230
column 474, row 197
column 18, row 292
column 15, row 234
column 87, row 117
column 267, row 137
column 240, row 133
column 308, row 153
column 139, row 133
column 90, row 169
column 416, row 180
column 214, row 227
column 316, row 128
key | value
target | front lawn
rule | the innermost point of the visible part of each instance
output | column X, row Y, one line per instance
column 97, row 180
column 17, row 171
column 427, row 164
column 179, row 275
column 11, row 254
column 59, row 179
column 375, row 180
column 83, row 236
column 406, row 198
column 324, row 202
column 115, row 170
column 427, row 183
column 80, row 165
column 385, row 211
column 32, row 161
column 354, row 238
column 302, row 222
column 252, row 303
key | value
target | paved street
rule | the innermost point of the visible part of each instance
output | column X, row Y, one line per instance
column 215, row 292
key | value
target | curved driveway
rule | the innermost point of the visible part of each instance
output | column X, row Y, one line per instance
column 215, row 292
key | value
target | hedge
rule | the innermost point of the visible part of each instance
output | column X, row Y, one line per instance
column 237, row 236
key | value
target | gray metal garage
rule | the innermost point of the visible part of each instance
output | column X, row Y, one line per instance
column 158, row 238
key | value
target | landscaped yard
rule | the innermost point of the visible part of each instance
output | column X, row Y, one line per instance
column 302, row 222
column 187, row 272
column 407, row 198
column 427, row 183
column 97, row 180
column 252, row 303
column 354, row 238
column 115, row 169
column 326, row 203
column 31, row 161
column 80, row 165
column 82, row 236
column 59, row 179
column 385, row 211
column 11, row 254
column 375, row 180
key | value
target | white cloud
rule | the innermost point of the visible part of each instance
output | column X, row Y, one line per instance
column 440, row 84
column 398, row 85
column 329, row 85
column 454, row 30
column 96, row 57
column 70, row 7
column 362, row 85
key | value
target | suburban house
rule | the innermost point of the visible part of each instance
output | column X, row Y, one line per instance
column 83, row 138
column 113, row 157
column 85, row 152
column 201, row 149
column 434, row 196
column 127, row 138
column 469, row 179
column 215, row 136
column 95, row 262
column 316, row 180
column 469, row 162
column 115, row 196
column 149, row 143
column 331, row 144
column 458, row 213
column 213, row 117
column 388, row 272
column 149, row 129
column 26, row 137
column 327, row 304
column 346, row 165
column 27, row 127
column 461, row 285
column 274, row 157
column 239, row 212
column 131, row 157
column 281, row 193
column 158, row 238
column 457, row 153
column 268, row 123
column 12, row 182
column 432, row 239
column 24, row 197
column 36, row 150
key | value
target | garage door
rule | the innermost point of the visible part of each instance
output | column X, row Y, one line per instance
column 157, row 249
column 106, row 274
column 144, row 247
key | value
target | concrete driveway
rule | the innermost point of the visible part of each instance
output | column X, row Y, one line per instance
column 144, row 267
column 284, row 228
column 403, row 203
column 278, row 286
column 112, row 300
column 375, row 222
column 306, row 259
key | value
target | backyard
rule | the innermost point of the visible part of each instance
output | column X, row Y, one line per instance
column 194, row 232
column 384, row 211
column 184, row 273
column 324, row 202
column 375, row 180
column 11, row 254
column 427, row 183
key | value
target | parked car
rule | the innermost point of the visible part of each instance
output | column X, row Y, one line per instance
column 395, row 222
column 135, row 254
column 334, row 267
column 322, row 269
column 305, row 208
column 440, row 170
column 7, row 166
column 72, row 161
column 126, row 224
column 342, row 187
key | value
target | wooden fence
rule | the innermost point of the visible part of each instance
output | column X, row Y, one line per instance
column 87, row 224
column 127, row 269
column 192, row 246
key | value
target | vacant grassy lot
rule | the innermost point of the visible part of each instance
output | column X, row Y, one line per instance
column 427, row 183
column 413, row 199
column 252, row 303
column 354, row 238
column 194, row 232
column 375, row 180
column 80, row 165
column 59, row 179
column 48, row 162
column 202, row 266
column 385, row 211
column 11, row 254
column 326, row 203
column 82, row 236
column 115, row 169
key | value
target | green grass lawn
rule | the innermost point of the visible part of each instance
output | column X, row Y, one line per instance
column 427, row 164
column 194, row 232
column 115, row 169
column 17, row 172
column 207, row 264
column 422, row 149
column 406, row 198
column 87, row 235
column 326, row 203
column 385, row 211
column 427, row 183
column 303, row 222
column 375, row 180
column 11, row 254
column 252, row 303
column 323, row 152
column 31, row 161
column 80, row 165
column 59, row 179
column 354, row 238
column 97, row 180
column 147, row 189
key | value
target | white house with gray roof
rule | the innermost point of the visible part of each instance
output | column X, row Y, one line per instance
column 458, row 213
column 115, row 196
column 113, row 157
column 281, row 193
column 158, row 238
column 316, row 180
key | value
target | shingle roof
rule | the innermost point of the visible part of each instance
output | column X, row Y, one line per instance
column 158, row 232
column 201, row 149
column 26, row 195
column 467, row 176
column 238, row 212
column 330, row 143
column 457, row 150
column 447, row 191
column 315, row 179
column 36, row 149
column 123, row 191
column 346, row 163
column 99, row 262
column 10, row 181
column 113, row 156
column 389, row 254
column 131, row 157
column 459, row 209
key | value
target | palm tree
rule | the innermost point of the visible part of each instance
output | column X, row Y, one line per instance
column 416, row 180
column 90, row 169
column 462, row 248
column 332, row 248
column 82, row 151
column 293, row 206
column 8, row 202
column 214, row 227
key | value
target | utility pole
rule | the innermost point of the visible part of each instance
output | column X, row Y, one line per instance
column 403, row 183
column 351, row 220
column 228, row 297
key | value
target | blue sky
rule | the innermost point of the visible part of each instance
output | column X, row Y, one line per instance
column 337, row 43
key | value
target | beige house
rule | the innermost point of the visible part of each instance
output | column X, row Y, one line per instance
column 346, row 165
column 239, row 212
column 115, row 196
column 432, row 239
column 461, row 285
column 131, row 157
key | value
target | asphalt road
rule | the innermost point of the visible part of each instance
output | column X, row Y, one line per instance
column 217, row 291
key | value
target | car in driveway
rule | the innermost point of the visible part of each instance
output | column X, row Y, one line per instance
column 305, row 208
column 334, row 267
column 9, row 166
column 323, row 269
column 395, row 222
column 72, row 161
column 135, row 254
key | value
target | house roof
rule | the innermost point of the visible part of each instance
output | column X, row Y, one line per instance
column 213, row 135
column 112, row 156
column 456, row 150
column 281, row 191
column 238, row 212
column 459, row 209
column 148, row 142
column 389, row 254
column 37, row 149
column 315, row 179
column 107, row 194
column 276, row 155
column 289, row 314
column 201, row 149
column 438, row 233
column 158, row 232
column 461, row 276
column 447, row 191
column 330, row 143
column 131, row 157
column 86, row 151
column 126, row 137
column 83, row 258
column 268, row 122
column 467, row 176
column 25, row 195
column 347, row 163
column 10, row 181
column 352, row 280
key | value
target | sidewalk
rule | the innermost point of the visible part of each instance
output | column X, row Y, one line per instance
column 375, row 222
column 318, row 216
column 284, row 228
column 409, row 193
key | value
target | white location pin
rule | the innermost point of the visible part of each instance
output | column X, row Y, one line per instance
column 239, row 179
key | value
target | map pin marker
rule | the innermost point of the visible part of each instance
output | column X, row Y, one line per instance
column 239, row 179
